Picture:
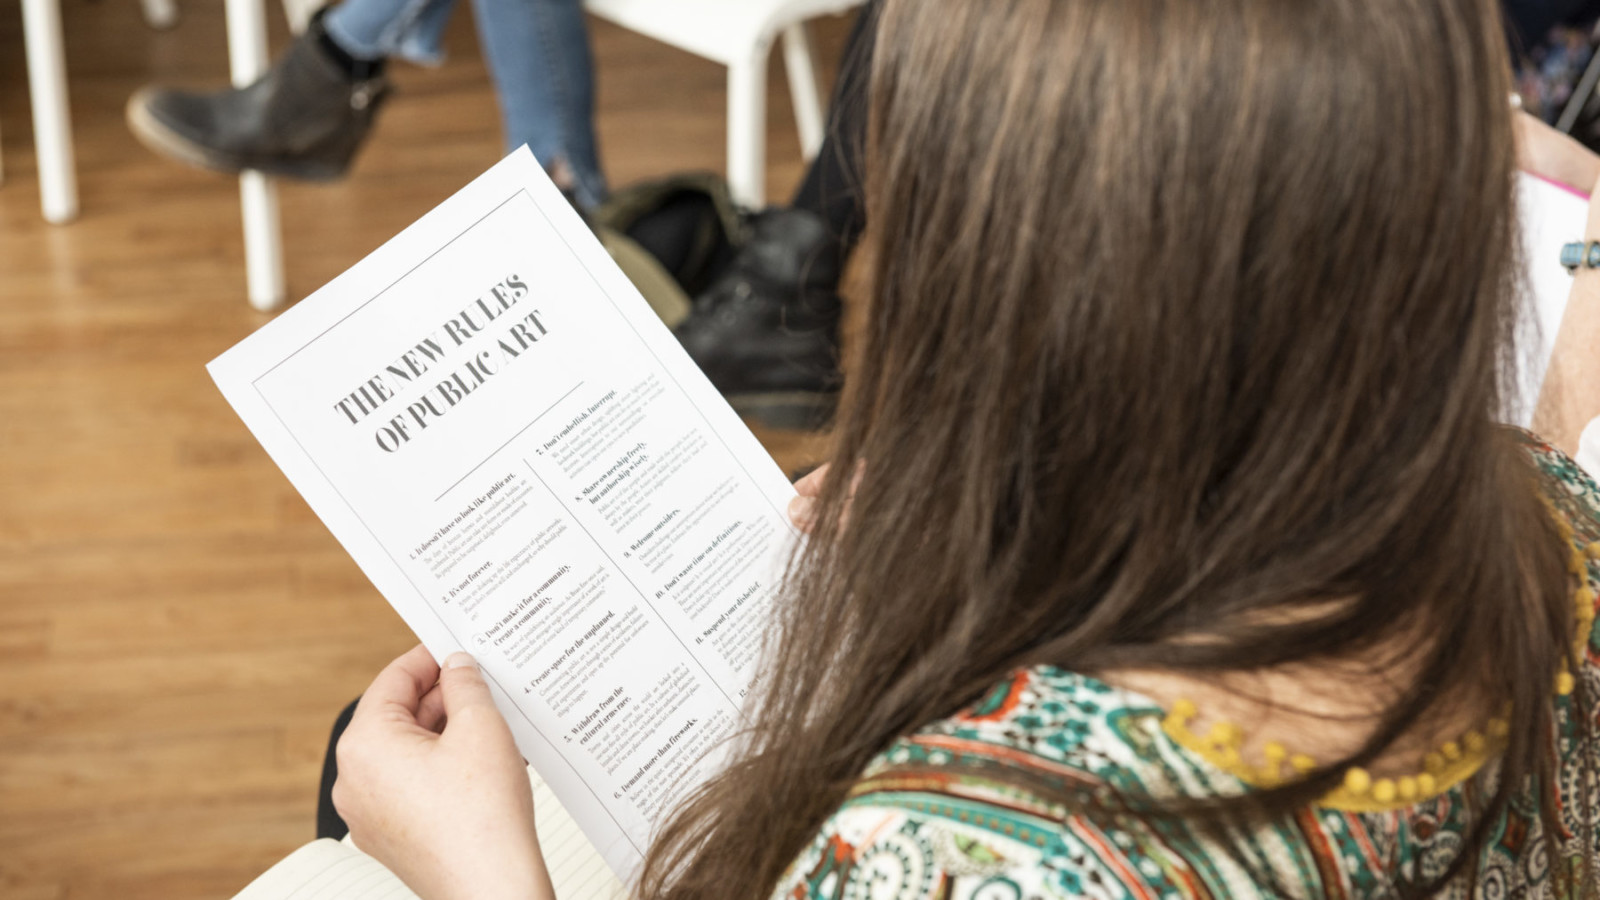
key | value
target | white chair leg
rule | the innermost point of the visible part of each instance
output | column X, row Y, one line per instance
column 263, row 236
column 160, row 14
column 299, row 13
column 802, row 69
column 263, row 241
column 52, row 123
column 747, row 129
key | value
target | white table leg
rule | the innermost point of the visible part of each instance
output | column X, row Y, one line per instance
column 802, row 70
column 52, row 123
column 258, row 196
column 747, row 129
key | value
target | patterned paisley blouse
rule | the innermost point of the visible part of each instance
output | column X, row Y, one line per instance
column 929, row 820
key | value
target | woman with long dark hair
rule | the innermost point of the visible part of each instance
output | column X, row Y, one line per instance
column 1169, row 546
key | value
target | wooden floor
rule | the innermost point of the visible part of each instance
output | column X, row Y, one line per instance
column 177, row 630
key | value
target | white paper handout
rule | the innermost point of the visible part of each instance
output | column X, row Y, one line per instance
column 526, row 464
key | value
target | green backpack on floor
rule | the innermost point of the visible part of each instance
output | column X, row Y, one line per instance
column 671, row 237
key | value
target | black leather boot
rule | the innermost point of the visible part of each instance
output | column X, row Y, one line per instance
column 767, row 330
column 305, row 118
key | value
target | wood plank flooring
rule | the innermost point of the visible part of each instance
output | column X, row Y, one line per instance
column 177, row 629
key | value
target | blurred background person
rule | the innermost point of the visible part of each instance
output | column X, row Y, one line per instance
column 310, row 113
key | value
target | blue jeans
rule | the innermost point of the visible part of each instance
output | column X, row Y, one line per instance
column 538, row 55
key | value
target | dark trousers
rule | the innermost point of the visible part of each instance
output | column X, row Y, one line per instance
column 329, row 825
column 832, row 185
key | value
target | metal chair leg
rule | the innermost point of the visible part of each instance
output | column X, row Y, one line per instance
column 1580, row 95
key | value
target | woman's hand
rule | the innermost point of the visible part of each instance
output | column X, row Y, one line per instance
column 803, row 509
column 433, row 787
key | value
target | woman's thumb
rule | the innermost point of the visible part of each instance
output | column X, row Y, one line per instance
column 462, row 688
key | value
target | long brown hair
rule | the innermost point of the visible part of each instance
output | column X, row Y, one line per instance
column 1186, row 319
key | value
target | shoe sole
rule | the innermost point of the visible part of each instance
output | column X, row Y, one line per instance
column 162, row 140
column 786, row 410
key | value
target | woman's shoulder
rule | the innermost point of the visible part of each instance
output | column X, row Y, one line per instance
column 960, row 809
column 1574, row 499
column 1000, row 800
column 1063, row 732
column 882, row 848
column 1571, row 491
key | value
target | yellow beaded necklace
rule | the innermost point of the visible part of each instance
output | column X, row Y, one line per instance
column 1452, row 763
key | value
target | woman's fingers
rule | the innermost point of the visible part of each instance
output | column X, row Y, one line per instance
column 401, row 686
column 803, row 508
column 803, row 513
column 461, row 688
column 432, row 785
column 464, row 690
column 431, row 712
column 811, row 484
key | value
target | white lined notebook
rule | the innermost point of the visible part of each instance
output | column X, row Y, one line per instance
column 333, row 870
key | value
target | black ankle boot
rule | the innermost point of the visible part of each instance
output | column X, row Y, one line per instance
column 305, row 118
column 767, row 331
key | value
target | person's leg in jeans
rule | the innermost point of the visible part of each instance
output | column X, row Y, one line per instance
column 308, row 116
column 374, row 30
column 767, row 331
column 543, row 69
column 310, row 113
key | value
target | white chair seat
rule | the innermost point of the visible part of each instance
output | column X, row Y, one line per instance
column 739, row 35
column 722, row 31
